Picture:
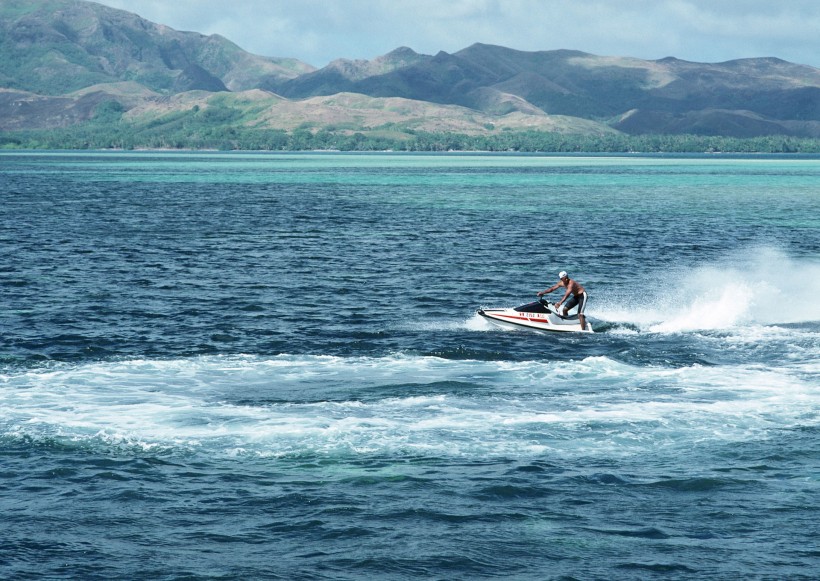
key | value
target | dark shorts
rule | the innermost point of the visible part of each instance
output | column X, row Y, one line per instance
column 580, row 300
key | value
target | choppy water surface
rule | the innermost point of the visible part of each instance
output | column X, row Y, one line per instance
column 240, row 366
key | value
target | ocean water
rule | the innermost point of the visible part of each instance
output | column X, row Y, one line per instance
column 269, row 366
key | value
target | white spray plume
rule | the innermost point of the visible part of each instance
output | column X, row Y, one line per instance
column 760, row 286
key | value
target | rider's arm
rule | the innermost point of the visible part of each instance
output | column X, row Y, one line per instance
column 549, row 290
column 566, row 294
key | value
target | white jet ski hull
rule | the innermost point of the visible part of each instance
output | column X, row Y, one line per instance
column 539, row 316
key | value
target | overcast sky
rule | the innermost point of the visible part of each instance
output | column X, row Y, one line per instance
column 318, row 31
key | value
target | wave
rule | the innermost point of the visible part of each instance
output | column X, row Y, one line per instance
column 756, row 286
column 322, row 405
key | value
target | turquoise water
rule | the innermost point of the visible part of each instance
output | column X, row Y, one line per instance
column 262, row 366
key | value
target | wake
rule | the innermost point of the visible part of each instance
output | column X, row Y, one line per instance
column 759, row 286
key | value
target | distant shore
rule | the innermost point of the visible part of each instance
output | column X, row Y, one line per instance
column 92, row 136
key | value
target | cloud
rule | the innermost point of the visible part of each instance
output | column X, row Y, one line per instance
column 317, row 31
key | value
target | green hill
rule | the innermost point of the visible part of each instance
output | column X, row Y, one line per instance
column 76, row 73
column 54, row 47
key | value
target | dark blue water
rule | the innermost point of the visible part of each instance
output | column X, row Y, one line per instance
column 262, row 366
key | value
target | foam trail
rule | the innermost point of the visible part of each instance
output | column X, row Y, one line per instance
column 758, row 286
column 235, row 406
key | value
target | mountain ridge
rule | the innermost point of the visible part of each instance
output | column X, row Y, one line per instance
column 66, row 58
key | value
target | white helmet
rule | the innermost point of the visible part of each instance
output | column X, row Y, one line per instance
column 562, row 274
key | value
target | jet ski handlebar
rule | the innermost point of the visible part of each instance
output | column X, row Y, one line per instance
column 550, row 306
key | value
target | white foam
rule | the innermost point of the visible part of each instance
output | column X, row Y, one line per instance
column 757, row 286
column 730, row 308
column 478, row 323
column 203, row 405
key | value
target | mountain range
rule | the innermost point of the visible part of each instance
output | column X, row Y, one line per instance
column 64, row 59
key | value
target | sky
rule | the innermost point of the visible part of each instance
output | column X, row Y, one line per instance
column 319, row 31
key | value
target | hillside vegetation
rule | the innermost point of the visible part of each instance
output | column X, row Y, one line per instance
column 79, row 74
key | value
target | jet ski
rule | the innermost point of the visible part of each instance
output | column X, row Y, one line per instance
column 540, row 315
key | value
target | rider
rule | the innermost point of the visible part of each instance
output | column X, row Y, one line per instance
column 574, row 288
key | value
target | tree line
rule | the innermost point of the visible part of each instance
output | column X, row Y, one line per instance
column 225, row 128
